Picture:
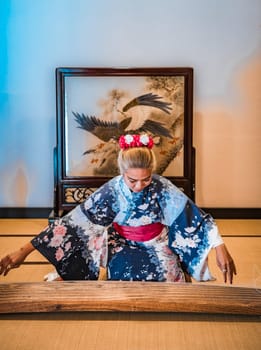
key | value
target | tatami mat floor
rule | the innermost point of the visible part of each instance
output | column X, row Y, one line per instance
column 130, row 330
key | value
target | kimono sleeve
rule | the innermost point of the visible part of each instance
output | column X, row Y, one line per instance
column 76, row 244
column 192, row 235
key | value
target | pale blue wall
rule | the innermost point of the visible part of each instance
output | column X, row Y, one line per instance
column 215, row 37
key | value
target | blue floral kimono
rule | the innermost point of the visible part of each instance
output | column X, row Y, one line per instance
column 85, row 239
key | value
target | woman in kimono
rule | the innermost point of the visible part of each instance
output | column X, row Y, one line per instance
column 138, row 225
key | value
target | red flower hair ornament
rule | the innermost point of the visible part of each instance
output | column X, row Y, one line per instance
column 128, row 141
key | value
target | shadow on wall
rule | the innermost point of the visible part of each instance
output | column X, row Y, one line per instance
column 18, row 187
column 227, row 137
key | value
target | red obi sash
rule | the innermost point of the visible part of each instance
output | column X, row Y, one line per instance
column 139, row 233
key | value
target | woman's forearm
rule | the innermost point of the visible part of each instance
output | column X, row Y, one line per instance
column 27, row 249
column 15, row 259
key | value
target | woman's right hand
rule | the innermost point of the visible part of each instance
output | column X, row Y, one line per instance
column 15, row 259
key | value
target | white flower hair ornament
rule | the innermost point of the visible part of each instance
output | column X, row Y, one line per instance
column 128, row 141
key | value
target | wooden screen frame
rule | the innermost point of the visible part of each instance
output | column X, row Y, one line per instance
column 79, row 187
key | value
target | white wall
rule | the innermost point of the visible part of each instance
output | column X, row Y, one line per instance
column 220, row 39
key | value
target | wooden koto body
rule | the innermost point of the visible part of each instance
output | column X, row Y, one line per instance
column 70, row 296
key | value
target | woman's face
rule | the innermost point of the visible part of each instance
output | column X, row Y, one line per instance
column 137, row 179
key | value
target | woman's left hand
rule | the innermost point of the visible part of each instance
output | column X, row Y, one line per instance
column 225, row 263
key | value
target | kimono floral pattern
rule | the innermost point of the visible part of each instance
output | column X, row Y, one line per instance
column 83, row 240
column 75, row 254
column 142, row 261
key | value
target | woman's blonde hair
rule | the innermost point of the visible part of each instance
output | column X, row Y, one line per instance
column 137, row 158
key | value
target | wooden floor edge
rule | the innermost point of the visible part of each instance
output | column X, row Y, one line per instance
column 111, row 296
